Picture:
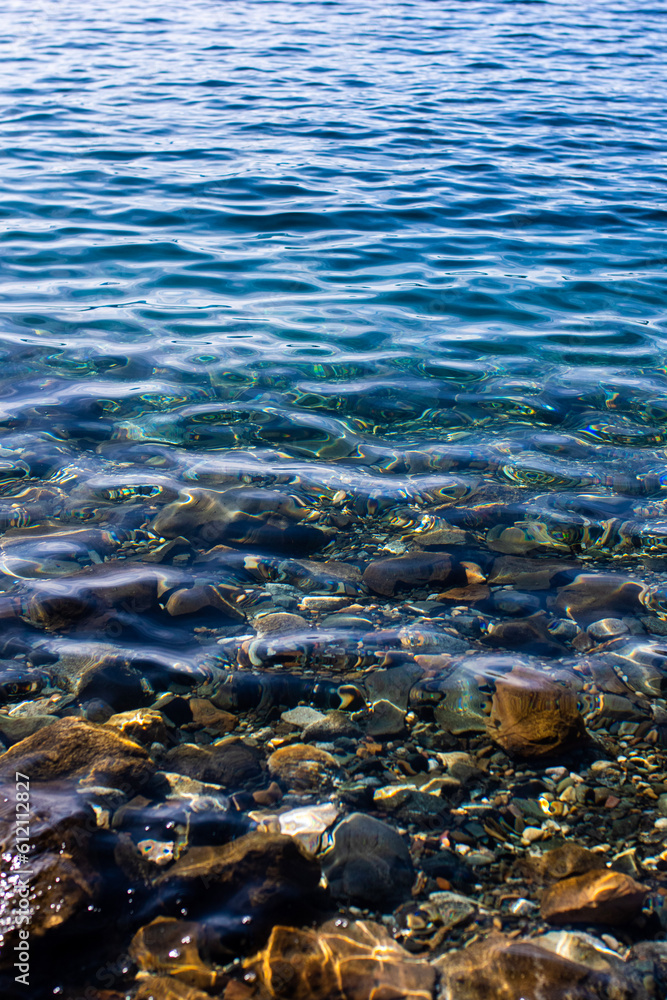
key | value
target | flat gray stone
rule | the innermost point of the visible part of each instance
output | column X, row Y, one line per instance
column 302, row 716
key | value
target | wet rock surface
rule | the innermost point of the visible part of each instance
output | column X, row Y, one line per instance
column 342, row 959
column 367, row 861
column 533, row 716
column 79, row 750
column 599, row 897
column 500, row 969
column 256, row 875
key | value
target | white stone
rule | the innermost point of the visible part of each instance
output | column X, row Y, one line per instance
column 302, row 716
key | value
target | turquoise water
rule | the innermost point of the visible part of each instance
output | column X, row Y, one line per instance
column 405, row 262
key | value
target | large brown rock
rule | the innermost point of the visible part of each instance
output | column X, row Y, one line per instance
column 592, row 596
column 230, row 763
column 534, row 716
column 561, row 862
column 501, row 969
column 341, row 961
column 384, row 575
column 600, row 897
column 73, row 749
column 526, row 574
column 256, row 873
column 241, row 514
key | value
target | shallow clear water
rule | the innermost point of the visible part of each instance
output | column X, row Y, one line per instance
column 403, row 263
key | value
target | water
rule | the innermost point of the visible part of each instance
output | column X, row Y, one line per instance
column 384, row 278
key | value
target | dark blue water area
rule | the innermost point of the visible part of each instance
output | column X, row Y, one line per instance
column 277, row 201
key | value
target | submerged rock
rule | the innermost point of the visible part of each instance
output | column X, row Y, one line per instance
column 278, row 622
column 60, row 888
column 384, row 575
column 241, row 515
column 462, row 706
column 143, row 725
column 175, row 947
column 330, row 576
column 530, row 634
column 116, row 683
column 206, row 715
column 591, row 597
column 205, row 597
column 302, row 716
column 14, row 728
column 300, row 767
column 601, row 897
column 165, row 988
column 334, row 725
column 383, row 721
column 368, row 862
column 230, row 763
column 528, row 574
column 306, row 824
column 77, row 750
column 424, row 924
column 562, row 862
column 341, row 961
column 57, row 883
column 581, row 947
column 534, row 716
column 498, row 968
column 254, row 875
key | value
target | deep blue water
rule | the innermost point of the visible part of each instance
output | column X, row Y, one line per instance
column 363, row 219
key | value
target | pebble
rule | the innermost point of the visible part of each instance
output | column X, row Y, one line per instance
column 302, row 716
column 302, row 767
column 279, row 622
column 321, row 603
column 607, row 628
column 383, row 721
